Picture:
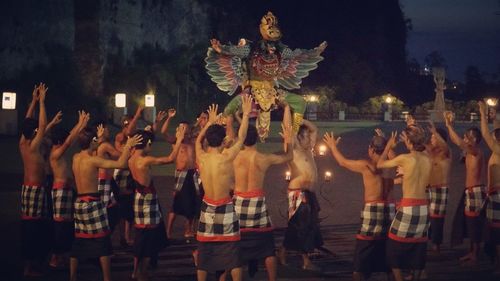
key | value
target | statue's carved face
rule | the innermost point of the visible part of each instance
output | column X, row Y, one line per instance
column 269, row 27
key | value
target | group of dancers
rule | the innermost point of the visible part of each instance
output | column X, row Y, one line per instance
column 220, row 181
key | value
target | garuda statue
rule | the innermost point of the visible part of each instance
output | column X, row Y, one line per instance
column 266, row 70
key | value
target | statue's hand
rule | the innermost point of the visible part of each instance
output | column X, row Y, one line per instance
column 216, row 45
column 322, row 46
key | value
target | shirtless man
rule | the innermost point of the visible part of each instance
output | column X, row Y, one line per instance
column 250, row 166
column 63, row 188
column 219, row 235
column 493, row 201
column 407, row 243
column 150, row 235
column 121, row 176
column 440, row 155
column 92, row 239
column 369, row 255
column 35, row 226
column 186, row 191
column 107, row 186
column 474, row 187
column 302, row 233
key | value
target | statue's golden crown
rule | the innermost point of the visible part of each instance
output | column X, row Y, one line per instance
column 269, row 28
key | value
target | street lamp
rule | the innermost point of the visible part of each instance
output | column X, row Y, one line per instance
column 149, row 100
column 491, row 103
column 322, row 150
column 288, row 175
column 120, row 108
column 311, row 107
column 388, row 114
column 328, row 176
column 150, row 109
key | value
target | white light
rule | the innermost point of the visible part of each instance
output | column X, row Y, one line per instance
column 149, row 100
column 313, row 98
column 288, row 175
column 328, row 176
column 491, row 102
column 322, row 149
column 121, row 100
column 8, row 100
column 388, row 99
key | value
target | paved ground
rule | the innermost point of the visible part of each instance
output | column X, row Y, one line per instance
column 340, row 199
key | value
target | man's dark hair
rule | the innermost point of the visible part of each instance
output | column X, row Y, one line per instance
column 476, row 133
column 58, row 135
column 29, row 127
column 86, row 136
column 147, row 138
column 417, row 137
column 378, row 144
column 442, row 133
column 215, row 135
column 496, row 134
column 185, row 122
column 252, row 136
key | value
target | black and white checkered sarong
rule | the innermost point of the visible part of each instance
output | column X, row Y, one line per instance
column 121, row 178
column 438, row 199
column 63, row 198
column 252, row 211
column 91, row 217
column 34, row 203
column 146, row 207
column 411, row 221
column 373, row 220
column 104, row 189
column 474, row 200
column 218, row 221
column 180, row 177
column 493, row 209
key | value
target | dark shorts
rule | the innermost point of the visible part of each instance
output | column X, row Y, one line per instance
column 91, row 247
column 36, row 237
column 113, row 216
column 215, row 256
column 436, row 230
column 149, row 241
column 303, row 233
column 369, row 256
column 64, row 233
column 186, row 201
column 126, row 205
column 256, row 245
column 474, row 227
column 404, row 255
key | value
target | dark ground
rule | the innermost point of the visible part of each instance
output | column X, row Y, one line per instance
column 341, row 201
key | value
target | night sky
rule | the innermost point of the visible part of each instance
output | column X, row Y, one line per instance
column 465, row 32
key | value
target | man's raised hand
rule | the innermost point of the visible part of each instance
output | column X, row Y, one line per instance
column 246, row 104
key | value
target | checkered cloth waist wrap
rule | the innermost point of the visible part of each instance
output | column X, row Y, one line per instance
column 147, row 212
column 411, row 221
column 91, row 217
column 475, row 197
column 373, row 221
column 252, row 211
column 121, row 179
column 438, row 199
column 295, row 198
column 34, row 203
column 180, row 177
column 493, row 208
column 63, row 198
column 104, row 189
column 218, row 221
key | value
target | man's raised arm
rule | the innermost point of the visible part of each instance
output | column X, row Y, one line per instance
column 121, row 163
column 353, row 165
column 31, row 108
column 179, row 136
column 83, row 119
column 246, row 106
column 488, row 138
column 42, row 118
column 164, row 128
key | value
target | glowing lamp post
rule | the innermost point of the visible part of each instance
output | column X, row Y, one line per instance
column 388, row 113
column 328, row 176
column 322, row 150
column 288, row 175
column 149, row 109
column 120, row 108
column 492, row 102
column 8, row 114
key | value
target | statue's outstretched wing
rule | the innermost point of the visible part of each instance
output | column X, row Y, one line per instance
column 296, row 64
column 226, row 68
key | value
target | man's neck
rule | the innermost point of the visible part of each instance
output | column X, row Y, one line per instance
column 214, row 150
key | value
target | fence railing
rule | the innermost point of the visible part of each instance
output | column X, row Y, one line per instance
column 395, row 116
